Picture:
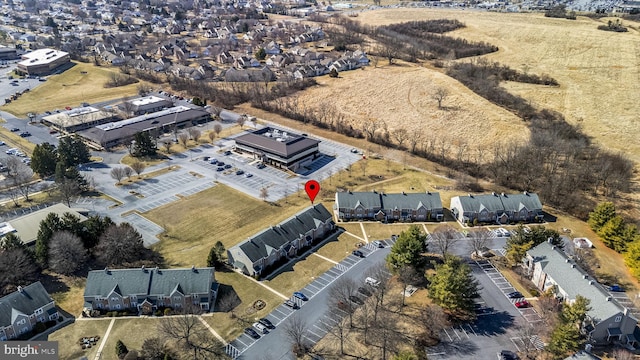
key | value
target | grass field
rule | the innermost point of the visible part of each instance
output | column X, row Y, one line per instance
column 82, row 83
column 69, row 336
column 297, row 275
column 597, row 71
column 221, row 213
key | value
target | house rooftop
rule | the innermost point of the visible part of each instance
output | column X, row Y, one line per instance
column 276, row 141
column 41, row 57
column 25, row 300
column 575, row 281
column 27, row 226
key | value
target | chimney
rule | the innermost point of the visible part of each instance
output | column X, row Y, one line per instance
column 585, row 276
column 106, row 270
column 609, row 298
column 525, row 192
column 573, row 266
column 428, row 192
column 470, row 195
column 193, row 268
column 404, row 193
column 566, row 260
column 549, row 240
column 493, row 193
column 502, row 194
column 20, row 289
column 590, row 282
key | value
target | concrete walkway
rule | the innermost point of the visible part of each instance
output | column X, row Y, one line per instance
column 364, row 233
column 104, row 339
column 268, row 288
column 213, row 332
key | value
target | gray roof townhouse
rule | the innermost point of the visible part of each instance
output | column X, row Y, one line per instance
column 21, row 310
column 607, row 321
column 372, row 205
column 497, row 208
column 146, row 290
column 258, row 254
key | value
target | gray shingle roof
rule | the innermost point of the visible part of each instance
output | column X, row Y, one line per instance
column 261, row 244
column 350, row 200
column 32, row 297
column 141, row 281
column 571, row 279
column 291, row 145
column 411, row 201
column 500, row 202
column 515, row 202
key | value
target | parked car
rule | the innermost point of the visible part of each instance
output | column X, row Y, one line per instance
column 205, row 158
column 358, row 253
column 515, row 295
column 227, row 153
column 261, row 166
column 291, row 304
column 616, row 288
column 53, row 131
column 300, row 296
column 372, row 282
column 267, row 323
column 378, row 244
column 220, row 163
column 239, row 172
column 15, row 129
column 354, row 150
column 356, row 300
column 2, row 143
column 507, row 355
column 252, row 333
column 248, row 175
column 261, row 328
column 364, row 291
column 213, row 161
column 25, row 134
column 522, row 304
column 220, row 168
column 228, row 166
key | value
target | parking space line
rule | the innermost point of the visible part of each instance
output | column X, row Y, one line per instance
column 446, row 332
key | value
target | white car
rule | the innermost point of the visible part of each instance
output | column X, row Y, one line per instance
column 372, row 282
column 261, row 328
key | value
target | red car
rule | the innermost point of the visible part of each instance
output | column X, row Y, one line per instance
column 522, row 304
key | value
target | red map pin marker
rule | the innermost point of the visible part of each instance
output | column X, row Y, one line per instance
column 312, row 188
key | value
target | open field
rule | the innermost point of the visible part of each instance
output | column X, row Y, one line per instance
column 597, row 71
column 132, row 332
column 221, row 213
column 82, row 83
column 338, row 249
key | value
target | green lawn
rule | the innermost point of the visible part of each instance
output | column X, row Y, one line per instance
column 337, row 250
column 132, row 332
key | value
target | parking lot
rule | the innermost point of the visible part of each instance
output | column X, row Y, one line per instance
column 316, row 292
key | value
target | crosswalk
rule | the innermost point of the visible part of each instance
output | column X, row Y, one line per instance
column 523, row 343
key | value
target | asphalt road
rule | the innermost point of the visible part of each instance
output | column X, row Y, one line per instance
column 276, row 345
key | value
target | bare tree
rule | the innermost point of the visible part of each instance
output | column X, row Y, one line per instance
column 128, row 171
column 407, row 275
column 194, row 134
column 119, row 244
column 166, row 144
column 444, row 237
column 479, row 240
column 432, row 320
column 440, row 95
column 340, row 292
column 254, row 120
column 215, row 112
column 296, row 330
column 68, row 188
column 66, row 253
column 264, row 193
column 241, row 120
column 190, row 335
column 339, row 329
column 138, row 167
column 127, row 107
column 623, row 354
column 386, row 334
column 363, row 166
column 217, row 128
column 401, row 135
column 19, row 175
column 380, row 273
column 212, row 136
column 16, row 267
column 183, row 138
column 155, row 348
column 527, row 334
column 117, row 173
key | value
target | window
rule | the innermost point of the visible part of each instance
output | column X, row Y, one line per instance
column 38, row 311
column 22, row 322
column 117, row 306
column 618, row 318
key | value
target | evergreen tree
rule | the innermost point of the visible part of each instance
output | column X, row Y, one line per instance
column 144, row 145
column 565, row 339
column 44, row 159
column 525, row 238
column 632, row 258
column 213, row 259
column 12, row 241
column 48, row 227
column 121, row 349
column 454, row 288
column 408, row 249
column 601, row 214
column 261, row 54
column 576, row 312
column 72, row 151
column 613, row 234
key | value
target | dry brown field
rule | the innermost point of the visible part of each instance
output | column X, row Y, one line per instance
column 598, row 72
